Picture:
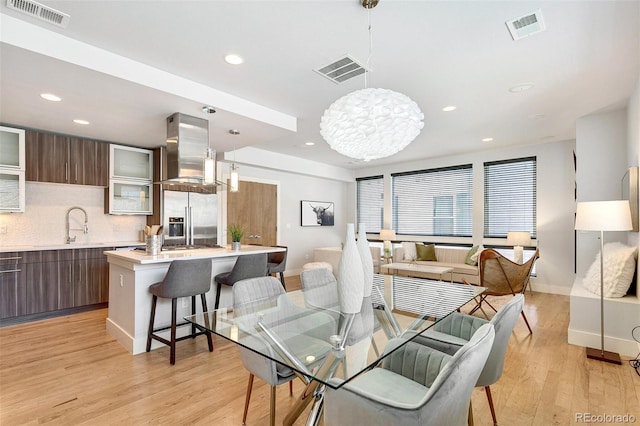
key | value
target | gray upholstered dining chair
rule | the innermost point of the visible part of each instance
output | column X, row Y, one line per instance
column 184, row 278
column 246, row 266
column 416, row 385
column 454, row 331
column 264, row 297
column 319, row 288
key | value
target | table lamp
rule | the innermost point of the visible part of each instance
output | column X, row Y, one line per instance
column 387, row 235
column 518, row 239
column 603, row 216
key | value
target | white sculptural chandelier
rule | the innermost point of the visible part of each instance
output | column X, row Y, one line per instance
column 371, row 123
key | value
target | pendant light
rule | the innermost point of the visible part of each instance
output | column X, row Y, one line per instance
column 210, row 158
column 371, row 123
column 210, row 167
column 234, row 178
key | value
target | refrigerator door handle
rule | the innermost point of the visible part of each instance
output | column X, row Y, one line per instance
column 187, row 223
column 191, row 238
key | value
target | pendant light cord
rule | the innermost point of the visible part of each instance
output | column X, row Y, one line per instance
column 367, row 65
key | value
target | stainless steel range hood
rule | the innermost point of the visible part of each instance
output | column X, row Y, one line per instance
column 187, row 143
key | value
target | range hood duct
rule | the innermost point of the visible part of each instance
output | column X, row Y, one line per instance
column 187, row 143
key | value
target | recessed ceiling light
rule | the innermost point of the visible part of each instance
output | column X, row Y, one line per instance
column 449, row 108
column 208, row 109
column 521, row 87
column 233, row 59
column 234, row 132
column 487, row 139
column 309, row 143
column 50, row 97
column 83, row 122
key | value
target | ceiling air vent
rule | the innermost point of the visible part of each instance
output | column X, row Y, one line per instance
column 526, row 25
column 42, row 12
column 341, row 70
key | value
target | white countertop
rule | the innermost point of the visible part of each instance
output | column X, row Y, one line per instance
column 141, row 257
column 37, row 247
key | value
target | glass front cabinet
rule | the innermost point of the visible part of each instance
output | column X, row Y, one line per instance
column 12, row 166
column 130, row 181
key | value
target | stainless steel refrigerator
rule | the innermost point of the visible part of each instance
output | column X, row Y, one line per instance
column 190, row 219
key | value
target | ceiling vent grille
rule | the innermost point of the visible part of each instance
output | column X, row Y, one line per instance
column 40, row 11
column 526, row 25
column 341, row 70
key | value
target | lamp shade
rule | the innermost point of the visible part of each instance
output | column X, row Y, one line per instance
column 518, row 238
column 371, row 123
column 603, row 216
column 387, row 234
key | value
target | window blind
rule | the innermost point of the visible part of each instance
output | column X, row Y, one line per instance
column 370, row 202
column 435, row 202
column 510, row 197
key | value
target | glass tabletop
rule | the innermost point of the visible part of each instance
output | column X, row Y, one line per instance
column 305, row 331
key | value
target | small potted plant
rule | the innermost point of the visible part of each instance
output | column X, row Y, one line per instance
column 236, row 235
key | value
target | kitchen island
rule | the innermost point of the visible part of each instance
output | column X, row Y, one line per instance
column 132, row 272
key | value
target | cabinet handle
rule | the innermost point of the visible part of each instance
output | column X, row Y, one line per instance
column 10, row 258
column 6, row 271
column 66, row 171
column 76, row 179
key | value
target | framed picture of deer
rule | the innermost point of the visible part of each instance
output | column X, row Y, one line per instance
column 316, row 213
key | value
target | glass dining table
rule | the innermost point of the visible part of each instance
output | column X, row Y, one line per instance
column 305, row 330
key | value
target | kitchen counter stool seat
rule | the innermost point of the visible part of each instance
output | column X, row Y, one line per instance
column 246, row 266
column 185, row 278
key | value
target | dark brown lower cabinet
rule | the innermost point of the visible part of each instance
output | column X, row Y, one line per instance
column 41, row 281
column 12, row 295
column 34, row 282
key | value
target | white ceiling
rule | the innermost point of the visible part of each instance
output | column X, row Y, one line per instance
column 437, row 52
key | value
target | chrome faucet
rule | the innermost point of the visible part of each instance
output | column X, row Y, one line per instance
column 85, row 227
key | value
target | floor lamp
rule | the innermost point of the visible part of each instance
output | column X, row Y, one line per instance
column 603, row 216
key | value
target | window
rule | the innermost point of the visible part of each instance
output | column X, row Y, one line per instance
column 370, row 202
column 510, row 197
column 434, row 202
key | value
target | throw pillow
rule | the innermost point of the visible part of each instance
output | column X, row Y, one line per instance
column 409, row 250
column 426, row 252
column 619, row 267
column 472, row 251
column 475, row 256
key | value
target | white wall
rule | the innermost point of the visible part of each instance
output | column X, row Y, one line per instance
column 555, row 205
column 43, row 221
column 293, row 188
column 633, row 149
column 601, row 150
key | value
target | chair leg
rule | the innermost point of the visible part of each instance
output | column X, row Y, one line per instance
column 174, row 308
column 272, row 407
column 193, row 312
column 291, row 388
column 282, row 280
column 154, row 300
column 493, row 411
column 526, row 322
column 247, row 398
column 470, row 415
column 203, row 298
column 218, row 296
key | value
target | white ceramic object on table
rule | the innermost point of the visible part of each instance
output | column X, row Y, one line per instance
column 350, row 275
column 365, row 257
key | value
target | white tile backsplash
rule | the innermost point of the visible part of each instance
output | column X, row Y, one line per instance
column 43, row 221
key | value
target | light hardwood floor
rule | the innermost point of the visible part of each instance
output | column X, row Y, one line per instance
column 69, row 371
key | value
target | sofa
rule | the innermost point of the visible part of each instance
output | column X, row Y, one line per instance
column 452, row 257
column 331, row 255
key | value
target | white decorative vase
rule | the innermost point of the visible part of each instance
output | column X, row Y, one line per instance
column 350, row 275
column 365, row 257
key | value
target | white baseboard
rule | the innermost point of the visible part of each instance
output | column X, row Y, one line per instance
column 624, row 347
